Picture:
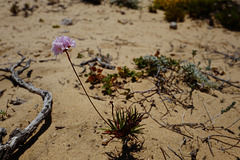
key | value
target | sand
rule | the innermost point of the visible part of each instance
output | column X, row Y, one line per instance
column 124, row 34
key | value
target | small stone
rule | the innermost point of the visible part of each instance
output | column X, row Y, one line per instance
column 105, row 141
column 54, row 134
column 36, row 54
column 66, row 21
column 173, row 25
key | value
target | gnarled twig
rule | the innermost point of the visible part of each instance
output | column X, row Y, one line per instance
column 20, row 136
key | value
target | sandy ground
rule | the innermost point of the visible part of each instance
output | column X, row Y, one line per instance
column 124, row 34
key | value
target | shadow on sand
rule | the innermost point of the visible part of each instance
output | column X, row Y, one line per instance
column 16, row 155
column 127, row 151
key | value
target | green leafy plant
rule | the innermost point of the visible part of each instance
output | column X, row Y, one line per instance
column 3, row 114
column 154, row 64
column 109, row 84
column 208, row 68
column 125, row 72
column 80, row 55
column 125, row 124
column 95, row 76
column 194, row 53
column 112, row 82
column 195, row 78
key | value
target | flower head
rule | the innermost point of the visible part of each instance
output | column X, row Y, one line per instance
column 62, row 44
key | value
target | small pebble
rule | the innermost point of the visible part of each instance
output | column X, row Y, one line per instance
column 173, row 25
column 105, row 141
column 66, row 21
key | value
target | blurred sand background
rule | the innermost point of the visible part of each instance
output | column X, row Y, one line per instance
column 124, row 34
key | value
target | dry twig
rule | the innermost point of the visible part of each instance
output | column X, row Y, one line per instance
column 175, row 153
column 20, row 136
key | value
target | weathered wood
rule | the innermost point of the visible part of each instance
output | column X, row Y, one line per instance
column 20, row 136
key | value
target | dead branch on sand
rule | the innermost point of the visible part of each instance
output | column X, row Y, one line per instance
column 20, row 136
column 99, row 58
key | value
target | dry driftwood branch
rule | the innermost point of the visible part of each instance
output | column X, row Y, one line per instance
column 103, row 64
column 20, row 136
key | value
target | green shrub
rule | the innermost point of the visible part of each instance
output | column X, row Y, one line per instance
column 201, row 9
column 228, row 14
column 95, row 2
column 174, row 9
column 175, row 13
column 133, row 4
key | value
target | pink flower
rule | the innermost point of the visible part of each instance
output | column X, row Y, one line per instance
column 62, row 44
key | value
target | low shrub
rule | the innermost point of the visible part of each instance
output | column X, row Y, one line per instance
column 133, row 4
column 201, row 9
column 227, row 12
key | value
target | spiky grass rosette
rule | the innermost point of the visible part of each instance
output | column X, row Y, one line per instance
column 125, row 124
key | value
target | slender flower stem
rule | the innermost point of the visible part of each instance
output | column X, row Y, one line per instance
column 84, row 88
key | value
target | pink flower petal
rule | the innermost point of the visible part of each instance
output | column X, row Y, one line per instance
column 62, row 44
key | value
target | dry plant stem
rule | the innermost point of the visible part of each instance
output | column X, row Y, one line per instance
column 220, row 79
column 167, row 127
column 205, row 107
column 184, row 125
column 209, row 145
column 233, row 123
column 85, row 89
column 164, row 153
column 175, row 153
column 226, row 55
column 213, row 118
column 180, row 148
column 233, row 138
column 207, row 139
column 235, row 145
column 20, row 136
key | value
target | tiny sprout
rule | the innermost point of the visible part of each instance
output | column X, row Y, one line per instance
column 80, row 55
column 2, row 113
column 15, row 9
column 194, row 53
column 41, row 20
column 208, row 68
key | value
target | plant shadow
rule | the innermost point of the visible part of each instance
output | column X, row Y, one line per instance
column 127, row 151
